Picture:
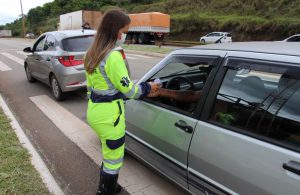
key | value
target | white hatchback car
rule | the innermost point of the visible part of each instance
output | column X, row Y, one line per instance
column 216, row 37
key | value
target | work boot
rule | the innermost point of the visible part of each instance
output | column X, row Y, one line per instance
column 108, row 184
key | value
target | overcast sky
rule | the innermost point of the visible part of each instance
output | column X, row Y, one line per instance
column 11, row 9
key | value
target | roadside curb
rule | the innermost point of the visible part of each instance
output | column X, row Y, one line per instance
column 145, row 53
column 36, row 160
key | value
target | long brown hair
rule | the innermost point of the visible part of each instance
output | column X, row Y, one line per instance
column 105, row 38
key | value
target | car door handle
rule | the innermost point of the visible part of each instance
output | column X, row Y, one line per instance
column 292, row 166
column 184, row 126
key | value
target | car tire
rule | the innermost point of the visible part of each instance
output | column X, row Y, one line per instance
column 29, row 75
column 56, row 89
column 203, row 41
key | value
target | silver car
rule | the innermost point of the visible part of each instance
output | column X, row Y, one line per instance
column 242, row 136
column 56, row 59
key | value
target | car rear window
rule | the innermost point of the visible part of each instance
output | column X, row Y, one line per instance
column 77, row 44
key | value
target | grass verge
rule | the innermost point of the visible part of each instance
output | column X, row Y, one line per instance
column 17, row 175
column 155, row 49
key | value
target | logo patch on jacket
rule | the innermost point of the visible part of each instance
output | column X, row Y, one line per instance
column 125, row 82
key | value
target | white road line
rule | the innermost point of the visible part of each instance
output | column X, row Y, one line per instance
column 131, row 58
column 36, row 160
column 134, row 177
column 4, row 67
column 78, row 131
column 14, row 58
column 141, row 56
column 22, row 53
column 8, row 50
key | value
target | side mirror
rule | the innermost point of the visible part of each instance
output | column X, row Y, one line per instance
column 27, row 50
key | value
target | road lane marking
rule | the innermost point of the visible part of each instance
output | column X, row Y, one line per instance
column 36, row 160
column 4, row 67
column 14, row 58
column 141, row 56
column 134, row 177
column 74, row 128
column 131, row 58
column 22, row 53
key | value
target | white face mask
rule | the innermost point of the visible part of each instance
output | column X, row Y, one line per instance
column 122, row 40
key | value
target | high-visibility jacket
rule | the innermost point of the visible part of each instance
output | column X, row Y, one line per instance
column 107, row 86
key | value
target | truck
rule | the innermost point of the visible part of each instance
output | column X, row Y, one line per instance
column 148, row 27
column 5, row 33
column 75, row 20
column 144, row 27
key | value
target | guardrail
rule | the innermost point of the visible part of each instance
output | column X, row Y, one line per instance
column 182, row 43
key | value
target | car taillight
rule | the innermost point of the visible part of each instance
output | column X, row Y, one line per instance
column 69, row 61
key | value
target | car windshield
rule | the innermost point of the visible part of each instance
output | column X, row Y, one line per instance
column 77, row 44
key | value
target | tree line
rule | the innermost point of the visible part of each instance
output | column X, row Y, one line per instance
column 45, row 18
column 245, row 19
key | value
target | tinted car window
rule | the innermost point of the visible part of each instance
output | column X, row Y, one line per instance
column 77, row 44
column 50, row 43
column 294, row 39
column 39, row 46
column 261, row 100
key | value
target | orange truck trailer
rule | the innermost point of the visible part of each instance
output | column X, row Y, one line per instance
column 148, row 27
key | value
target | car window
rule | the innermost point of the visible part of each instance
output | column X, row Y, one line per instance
column 261, row 100
column 50, row 43
column 39, row 45
column 184, row 76
column 77, row 44
column 294, row 39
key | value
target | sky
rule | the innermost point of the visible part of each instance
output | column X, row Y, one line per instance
column 11, row 9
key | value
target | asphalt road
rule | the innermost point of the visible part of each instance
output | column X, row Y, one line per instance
column 74, row 171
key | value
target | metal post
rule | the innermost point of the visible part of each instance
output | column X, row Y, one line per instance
column 23, row 20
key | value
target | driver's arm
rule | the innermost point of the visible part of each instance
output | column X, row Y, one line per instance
column 181, row 96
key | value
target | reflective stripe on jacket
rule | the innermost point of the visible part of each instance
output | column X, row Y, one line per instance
column 111, row 77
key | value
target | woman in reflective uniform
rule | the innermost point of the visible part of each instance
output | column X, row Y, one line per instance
column 108, row 83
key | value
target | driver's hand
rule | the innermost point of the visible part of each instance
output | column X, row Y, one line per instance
column 154, row 89
column 153, row 93
column 154, row 86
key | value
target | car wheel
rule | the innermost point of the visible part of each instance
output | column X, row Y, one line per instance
column 56, row 90
column 28, row 74
column 203, row 41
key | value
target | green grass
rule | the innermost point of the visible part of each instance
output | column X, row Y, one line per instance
column 155, row 49
column 17, row 175
column 193, row 25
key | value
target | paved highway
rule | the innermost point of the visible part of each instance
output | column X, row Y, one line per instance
column 59, row 131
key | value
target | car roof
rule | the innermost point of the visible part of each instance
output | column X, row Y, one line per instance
column 219, row 32
column 71, row 33
column 271, row 47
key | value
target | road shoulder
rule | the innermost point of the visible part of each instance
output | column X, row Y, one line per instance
column 36, row 160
